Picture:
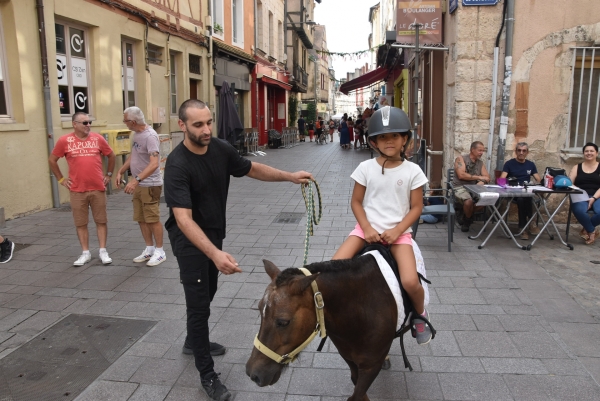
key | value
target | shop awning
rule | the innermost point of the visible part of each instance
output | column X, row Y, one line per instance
column 365, row 80
column 273, row 81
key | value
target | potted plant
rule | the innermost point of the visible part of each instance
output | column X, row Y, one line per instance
column 218, row 29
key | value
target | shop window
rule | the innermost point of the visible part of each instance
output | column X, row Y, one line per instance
column 237, row 22
column 73, row 69
column 173, row 82
column 4, row 93
column 584, row 124
column 127, row 74
column 218, row 20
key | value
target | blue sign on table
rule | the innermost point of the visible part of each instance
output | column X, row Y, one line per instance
column 479, row 2
column 453, row 6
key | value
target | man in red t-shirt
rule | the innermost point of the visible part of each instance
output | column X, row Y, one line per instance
column 86, row 181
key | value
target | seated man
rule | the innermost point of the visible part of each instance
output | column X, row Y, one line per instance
column 469, row 169
column 522, row 169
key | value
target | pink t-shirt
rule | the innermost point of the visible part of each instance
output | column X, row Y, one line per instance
column 84, row 160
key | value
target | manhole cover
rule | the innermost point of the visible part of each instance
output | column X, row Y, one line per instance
column 64, row 360
column 288, row 218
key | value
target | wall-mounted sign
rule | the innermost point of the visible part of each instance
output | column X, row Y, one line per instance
column 427, row 13
column 479, row 3
column 452, row 6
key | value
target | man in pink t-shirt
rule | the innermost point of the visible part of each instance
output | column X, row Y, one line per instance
column 86, row 181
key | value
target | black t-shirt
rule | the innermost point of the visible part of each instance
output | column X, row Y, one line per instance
column 201, row 183
column 301, row 124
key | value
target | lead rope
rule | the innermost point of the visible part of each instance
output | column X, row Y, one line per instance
column 311, row 217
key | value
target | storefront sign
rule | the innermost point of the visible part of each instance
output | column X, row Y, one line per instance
column 453, row 5
column 426, row 13
column 479, row 3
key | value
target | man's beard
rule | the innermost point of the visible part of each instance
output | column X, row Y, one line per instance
column 196, row 140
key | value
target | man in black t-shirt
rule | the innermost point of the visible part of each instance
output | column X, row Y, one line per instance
column 301, row 124
column 197, row 175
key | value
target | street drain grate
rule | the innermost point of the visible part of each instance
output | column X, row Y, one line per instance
column 61, row 362
column 20, row 247
column 64, row 209
column 288, row 218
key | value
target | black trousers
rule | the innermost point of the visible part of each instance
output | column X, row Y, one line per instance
column 199, row 277
column 525, row 208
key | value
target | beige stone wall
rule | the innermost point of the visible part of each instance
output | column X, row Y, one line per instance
column 470, row 33
column 23, row 144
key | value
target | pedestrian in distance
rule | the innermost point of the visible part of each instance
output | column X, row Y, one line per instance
column 344, row 132
column 311, row 130
column 318, row 129
column 146, row 185
column 301, row 127
column 86, row 182
column 331, row 129
column 6, row 249
column 387, row 199
column 197, row 177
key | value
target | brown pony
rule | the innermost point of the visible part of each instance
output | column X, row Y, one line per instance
column 360, row 318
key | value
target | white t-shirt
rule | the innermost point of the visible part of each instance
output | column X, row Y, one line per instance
column 387, row 197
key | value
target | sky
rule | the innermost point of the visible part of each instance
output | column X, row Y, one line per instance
column 347, row 28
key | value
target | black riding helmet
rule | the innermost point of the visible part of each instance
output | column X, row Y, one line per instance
column 389, row 120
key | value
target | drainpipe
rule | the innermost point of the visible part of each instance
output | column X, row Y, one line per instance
column 494, row 91
column 39, row 5
column 256, row 68
column 510, row 23
column 210, row 55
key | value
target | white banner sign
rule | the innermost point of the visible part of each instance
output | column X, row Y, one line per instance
column 79, row 72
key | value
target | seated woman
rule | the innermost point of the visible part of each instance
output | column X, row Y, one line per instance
column 586, row 176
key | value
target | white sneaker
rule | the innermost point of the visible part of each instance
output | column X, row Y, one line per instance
column 145, row 256
column 157, row 259
column 106, row 260
column 83, row 259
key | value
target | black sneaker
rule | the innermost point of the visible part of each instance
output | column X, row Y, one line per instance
column 6, row 250
column 215, row 349
column 464, row 227
column 215, row 389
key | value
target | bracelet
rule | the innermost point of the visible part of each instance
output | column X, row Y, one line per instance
column 61, row 180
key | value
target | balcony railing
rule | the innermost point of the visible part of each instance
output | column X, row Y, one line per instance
column 300, row 75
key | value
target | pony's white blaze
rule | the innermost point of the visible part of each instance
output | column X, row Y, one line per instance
column 265, row 302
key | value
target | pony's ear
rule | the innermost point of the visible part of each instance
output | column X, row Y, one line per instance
column 299, row 285
column 271, row 269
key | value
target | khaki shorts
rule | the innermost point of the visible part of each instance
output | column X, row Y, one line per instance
column 461, row 194
column 81, row 202
column 146, row 204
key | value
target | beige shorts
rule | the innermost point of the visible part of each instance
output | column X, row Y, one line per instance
column 146, row 204
column 461, row 194
column 81, row 202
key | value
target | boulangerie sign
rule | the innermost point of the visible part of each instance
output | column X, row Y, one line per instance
column 427, row 13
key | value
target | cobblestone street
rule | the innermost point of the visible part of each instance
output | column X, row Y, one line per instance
column 512, row 324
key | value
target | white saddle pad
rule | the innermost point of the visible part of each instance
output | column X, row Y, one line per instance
column 392, row 281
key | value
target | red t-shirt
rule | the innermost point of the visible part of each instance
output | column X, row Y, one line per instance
column 84, row 160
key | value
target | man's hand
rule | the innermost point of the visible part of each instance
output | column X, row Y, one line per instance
column 106, row 180
column 372, row 236
column 226, row 263
column 301, row 177
column 390, row 236
column 131, row 186
column 118, row 180
column 66, row 183
column 591, row 203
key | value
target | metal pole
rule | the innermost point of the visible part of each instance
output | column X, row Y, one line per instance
column 510, row 24
column 416, row 78
column 39, row 4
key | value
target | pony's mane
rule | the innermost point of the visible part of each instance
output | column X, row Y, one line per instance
column 332, row 266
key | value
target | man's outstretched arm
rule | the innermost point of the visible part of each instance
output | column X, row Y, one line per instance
column 266, row 173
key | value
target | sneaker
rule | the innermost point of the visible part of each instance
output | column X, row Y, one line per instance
column 524, row 235
column 83, row 259
column 464, row 227
column 216, row 349
column 6, row 250
column 534, row 229
column 215, row 389
column 422, row 329
column 157, row 259
column 106, row 260
column 144, row 257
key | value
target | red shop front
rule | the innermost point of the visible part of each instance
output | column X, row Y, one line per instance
column 269, row 99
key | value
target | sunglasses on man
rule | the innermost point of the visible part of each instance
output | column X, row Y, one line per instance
column 84, row 122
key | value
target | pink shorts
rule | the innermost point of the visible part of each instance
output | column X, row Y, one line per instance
column 405, row 238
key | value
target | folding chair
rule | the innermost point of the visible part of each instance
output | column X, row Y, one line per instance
column 447, row 209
